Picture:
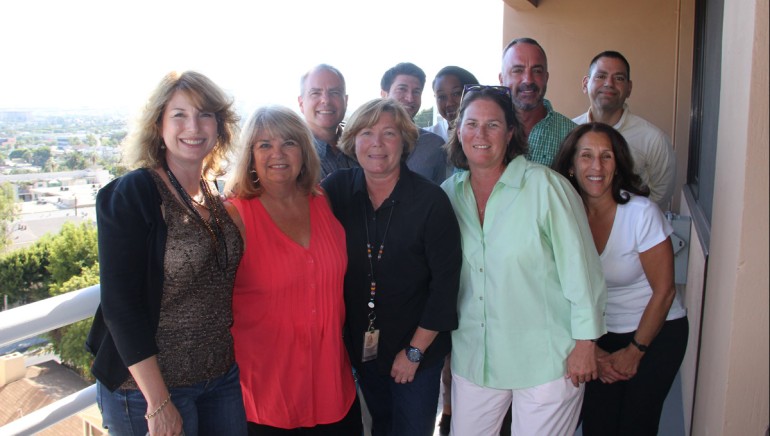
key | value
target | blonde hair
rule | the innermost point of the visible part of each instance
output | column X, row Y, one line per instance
column 142, row 148
column 274, row 122
column 368, row 115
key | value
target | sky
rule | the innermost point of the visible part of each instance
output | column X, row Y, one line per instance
column 105, row 54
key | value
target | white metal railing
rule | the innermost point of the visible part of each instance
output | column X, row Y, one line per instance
column 40, row 317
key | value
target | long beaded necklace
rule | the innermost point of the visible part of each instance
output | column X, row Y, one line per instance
column 380, row 251
column 216, row 233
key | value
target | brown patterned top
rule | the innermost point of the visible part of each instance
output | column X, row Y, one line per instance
column 196, row 308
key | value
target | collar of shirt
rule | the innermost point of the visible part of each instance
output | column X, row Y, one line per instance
column 404, row 185
column 322, row 147
column 617, row 125
column 513, row 175
column 548, row 109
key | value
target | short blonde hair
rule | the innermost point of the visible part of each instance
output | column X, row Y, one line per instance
column 142, row 148
column 274, row 122
column 368, row 115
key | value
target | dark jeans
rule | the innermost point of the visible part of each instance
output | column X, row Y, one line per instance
column 398, row 409
column 210, row 407
column 350, row 425
column 633, row 407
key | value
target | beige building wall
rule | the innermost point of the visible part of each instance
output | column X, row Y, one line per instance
column 656, row 36
column 733, row 381
column 730, row 395
column 573, row 32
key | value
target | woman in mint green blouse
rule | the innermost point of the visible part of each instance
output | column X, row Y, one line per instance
column 532, row 292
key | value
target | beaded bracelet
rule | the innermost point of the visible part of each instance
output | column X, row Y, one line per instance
column 149, row 416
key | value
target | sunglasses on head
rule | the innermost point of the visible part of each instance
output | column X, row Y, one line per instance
column 500, row 90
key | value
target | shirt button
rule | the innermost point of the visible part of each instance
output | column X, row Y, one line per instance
column 481, row 298
column 482, row 324
column 481, row 269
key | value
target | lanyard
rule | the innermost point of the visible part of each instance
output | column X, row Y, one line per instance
column 380, row 251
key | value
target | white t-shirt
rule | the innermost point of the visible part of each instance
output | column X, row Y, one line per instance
column 639, row 225
column 441, row 128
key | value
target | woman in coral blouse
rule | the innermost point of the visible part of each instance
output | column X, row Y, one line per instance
column 288, row 307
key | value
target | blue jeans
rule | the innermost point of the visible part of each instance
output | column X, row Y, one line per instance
column 401, row 409
column 211, row 407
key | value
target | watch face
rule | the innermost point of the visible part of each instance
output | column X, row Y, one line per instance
column 413, row 354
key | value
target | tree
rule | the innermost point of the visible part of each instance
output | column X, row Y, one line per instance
column 91, row 140
column 424, row 118
column 8, row 211
column 21, row 153
column 24, row 275
column 54, row 265
column 76, row 161
column 50, row 166
column 40, row 156
column 68, row 342
column 71, row 251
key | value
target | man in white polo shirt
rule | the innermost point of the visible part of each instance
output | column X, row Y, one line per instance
column 608, row 85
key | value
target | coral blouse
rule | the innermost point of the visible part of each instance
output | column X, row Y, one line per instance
column 288, row 316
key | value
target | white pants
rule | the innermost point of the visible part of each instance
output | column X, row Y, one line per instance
column 550, row 409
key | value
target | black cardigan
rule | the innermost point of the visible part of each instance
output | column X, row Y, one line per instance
column 132, row 241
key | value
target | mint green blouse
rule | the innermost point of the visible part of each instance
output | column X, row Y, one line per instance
column 531, row 280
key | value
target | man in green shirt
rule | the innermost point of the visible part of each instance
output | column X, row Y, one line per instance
column 525, row 72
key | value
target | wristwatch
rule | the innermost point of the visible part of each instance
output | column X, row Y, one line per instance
column 413, row 354
column 641, row 347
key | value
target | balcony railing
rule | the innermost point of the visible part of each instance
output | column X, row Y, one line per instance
column 41, row 317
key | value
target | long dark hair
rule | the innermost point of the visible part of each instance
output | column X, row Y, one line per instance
column 624, row 179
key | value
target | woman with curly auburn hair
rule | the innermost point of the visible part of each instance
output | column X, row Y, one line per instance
column 168, row 253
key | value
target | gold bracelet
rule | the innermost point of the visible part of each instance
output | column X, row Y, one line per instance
column 149, row 416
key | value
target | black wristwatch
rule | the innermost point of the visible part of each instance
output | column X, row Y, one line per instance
column 413, row 354
column 641, row 347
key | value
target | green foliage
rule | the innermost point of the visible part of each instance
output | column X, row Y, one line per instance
column 8, row 211
column 50, row 166
column 76, row 161
column 55, row 265
column 24, row 275
column 91, row 140
column 424, row 118
column 117, row 169
column 71, row 251
column 37, row 272
column 21, row 153
column 68, row 342
column 70, row 347
column 40, row 156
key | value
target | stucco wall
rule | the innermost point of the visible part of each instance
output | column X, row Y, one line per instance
column 733, row 381
column 573, row 32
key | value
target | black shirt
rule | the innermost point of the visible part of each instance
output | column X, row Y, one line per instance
column 419, row 274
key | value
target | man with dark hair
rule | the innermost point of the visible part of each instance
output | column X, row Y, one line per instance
column 404, row 83
column 323, row 101
column 525, row 72
column 608, row 85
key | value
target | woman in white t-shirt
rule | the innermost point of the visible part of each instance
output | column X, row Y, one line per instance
column 646, row 320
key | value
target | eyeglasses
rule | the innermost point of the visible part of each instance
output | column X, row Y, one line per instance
column 500, row 90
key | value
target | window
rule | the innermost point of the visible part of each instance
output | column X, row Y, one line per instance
column 704, row 114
